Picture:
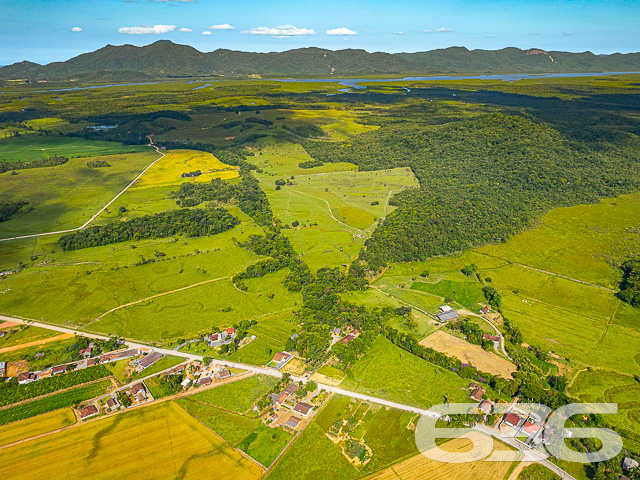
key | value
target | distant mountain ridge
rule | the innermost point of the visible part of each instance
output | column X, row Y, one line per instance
column 167, row 59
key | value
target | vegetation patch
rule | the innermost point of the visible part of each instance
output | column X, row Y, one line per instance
column 36, row 425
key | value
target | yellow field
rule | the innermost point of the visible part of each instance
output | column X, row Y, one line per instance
column 422, row 468
column 157, row 442
column 36, row 425
column 341, row 124
column 168, row 169
column 467, row 353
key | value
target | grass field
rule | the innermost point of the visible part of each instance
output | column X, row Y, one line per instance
column 25, row 335
column 600, row 386
column 465, row 293
column 311, row 456
column 537, row 472
column 420, row 467
column 238, row 396
column 165, row 362
column 71, row 194
column 44, row 147
column 36, row 425
column 132, row 442
column 466, row 352
column 53, row 402
column 386, row 371
column 168, row 170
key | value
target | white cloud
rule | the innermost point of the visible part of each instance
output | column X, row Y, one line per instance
column 224, row 26
column 147, row 29
column 185, row 29
column 76, row 29
column 283, row 31
column 341, row 31
column 398, row 33
column 206, row 32
column 439, row 30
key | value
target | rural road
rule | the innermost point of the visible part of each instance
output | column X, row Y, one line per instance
column 151, row 144
column 530, row 453
column 468, row 312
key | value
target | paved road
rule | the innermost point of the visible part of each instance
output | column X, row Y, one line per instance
column 162, row 154
column 531, row 454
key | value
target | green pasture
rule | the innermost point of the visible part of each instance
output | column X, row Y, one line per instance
column 230, row 426
column 239, row 396
column 66, row 196
column 388, row 372
column 265, row 443
column 465, row 293
column 23, row 149
column 601, row 386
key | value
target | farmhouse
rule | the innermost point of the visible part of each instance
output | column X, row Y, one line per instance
column 113, row 403
column 137, row 388
column 291, row 389
column 87, row 412
column 486, row 406
column 281, row 399
column 59, row 369
column 477, row 394
column 484, row 310
column 222, row 375
column 347, row 339
column 231, row 332
column 493, row 338
column 445, row 309
column 214, row 340
column 512, row 420
column 293, row 422
column 177, row 370
column 281, row 359
column 446, row 316
column 149, row 360
column 204, row 381
column 355, row 332
column 303, row 409
column 126, row 354
column 85, row 352
column 25, row 378
column 530, row 428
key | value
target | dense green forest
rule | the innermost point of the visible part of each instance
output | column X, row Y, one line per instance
column 191, row 223
column 8, row 209
column 630, row 285
column 481, row 179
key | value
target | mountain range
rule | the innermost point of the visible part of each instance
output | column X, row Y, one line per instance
column 167, row 59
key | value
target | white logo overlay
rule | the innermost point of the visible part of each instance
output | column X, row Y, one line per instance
column 534, row 429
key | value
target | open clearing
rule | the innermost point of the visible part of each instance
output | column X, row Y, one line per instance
column 44, row 147
column 161, row 441
column 420, row 467
column 36, row 425
column 483, row 360
column 168, row 170
column 71, row 194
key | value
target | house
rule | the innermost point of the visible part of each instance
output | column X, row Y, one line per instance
column 87, row 412
column 512, row 420
column 347, row 339
column 231, row 332
column 473, row 386
column 204, row 381
column 355, row 332
column 104, row 359
column 291, row 389
column 530, row 428
column 85, row 352
column 214, row 340
column 629, row 463
column 25, row 378
column 113, row 403
column 484, row 310
column 138, row 387
column 222, row 375
column 335, row 333
column 486, row 406
column 126, row 354
column 59, row 369
column 141, row 396
column 293, row 422
column 281, row 399
column 445, row 309
column 477, row 394
column 493, row 338
column 177, row 370
column 446, row 316
column 185, row 383
column 303, row 409
column 281, row 359
column 149, row 360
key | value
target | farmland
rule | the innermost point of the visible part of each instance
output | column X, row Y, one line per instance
column 43, row 147
column 389, row 372
column 483, row 360
column 24, row 335
column 36, row 425
column 111, row 442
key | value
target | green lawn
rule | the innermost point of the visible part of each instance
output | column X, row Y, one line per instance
column 239, row 396
column 34, row 147
column 389, row 372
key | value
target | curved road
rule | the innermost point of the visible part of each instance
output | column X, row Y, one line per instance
column 531, row 455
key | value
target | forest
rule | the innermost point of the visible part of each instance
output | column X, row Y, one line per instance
column 9, row 209
column 630, row 285
column 188, row 222
column 7, row 166
column 481, row 179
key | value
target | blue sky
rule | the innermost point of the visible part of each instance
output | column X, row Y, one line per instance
column 43, row 30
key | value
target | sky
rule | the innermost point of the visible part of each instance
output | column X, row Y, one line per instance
column 44, row 31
